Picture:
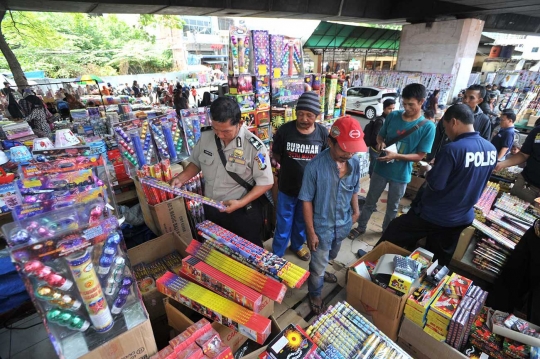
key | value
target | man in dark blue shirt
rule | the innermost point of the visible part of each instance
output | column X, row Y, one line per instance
column 504, row 139
column 454, row 185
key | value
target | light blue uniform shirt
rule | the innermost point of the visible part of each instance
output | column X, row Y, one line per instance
column 331, row 196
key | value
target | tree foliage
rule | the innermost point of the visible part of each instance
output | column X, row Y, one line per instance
column 68, row 45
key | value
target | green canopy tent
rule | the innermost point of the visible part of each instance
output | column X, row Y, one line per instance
column 329, row 36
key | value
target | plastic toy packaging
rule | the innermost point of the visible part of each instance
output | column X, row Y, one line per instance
column 192, row 121
column 261, row 54
column 74, row 264
column 239, row 50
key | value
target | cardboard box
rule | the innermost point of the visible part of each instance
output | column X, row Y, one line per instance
column 368, row 298
column 165, row 217
column 136, row 343
column 421, row 345
column 149, row 252
column 414, row 186
column 463, row 243
column 517, row 336
column 180, row 321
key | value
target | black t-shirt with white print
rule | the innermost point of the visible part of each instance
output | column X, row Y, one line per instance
column 296, row 150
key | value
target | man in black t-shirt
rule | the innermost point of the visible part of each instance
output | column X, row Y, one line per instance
column 295, row 144
column 527, row 186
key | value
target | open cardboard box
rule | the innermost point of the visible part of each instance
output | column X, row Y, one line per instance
column 136, row 343
column 384, row 307
column 421, row 345
column 165, row 217
column 178, row 318
column 517, row 336
column 149, row 252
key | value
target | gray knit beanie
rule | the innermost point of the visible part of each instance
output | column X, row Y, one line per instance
column 309, row 101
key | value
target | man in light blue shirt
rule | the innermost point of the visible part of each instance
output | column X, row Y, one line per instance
column 394, row 168
column 330, row 195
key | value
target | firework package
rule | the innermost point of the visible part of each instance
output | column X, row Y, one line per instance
column 67, row 246
column 483, row 337
column 198, row 341
column 396, row 273
column 342, row 332
column 215, row 307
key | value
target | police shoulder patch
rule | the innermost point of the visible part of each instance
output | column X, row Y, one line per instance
column 255, row 142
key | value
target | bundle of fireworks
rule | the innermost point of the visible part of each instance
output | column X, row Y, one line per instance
column 198, row 341
column 146, row 274
column 515, row 207
column 212, row 305
column 154, row 183
column 267, row 286
column 160, row 172
column 482, row 338
column 420, row 300
column 253, row 255
column 343, row 329
column 499, row 238
column 488, row 197
column 195, row 208
column 468, row 309
column 221, row 283
column 444, row 307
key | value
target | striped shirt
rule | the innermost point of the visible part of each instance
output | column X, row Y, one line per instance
column 331, row 196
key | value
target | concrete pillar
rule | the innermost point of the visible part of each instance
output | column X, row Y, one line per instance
column 446, row 47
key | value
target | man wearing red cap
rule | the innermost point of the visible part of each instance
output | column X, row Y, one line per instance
column 330, row 195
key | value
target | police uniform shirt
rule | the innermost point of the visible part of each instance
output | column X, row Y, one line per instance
column 457, row 179
column 246, row 156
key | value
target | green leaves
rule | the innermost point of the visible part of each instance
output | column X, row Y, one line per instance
column 69, row 45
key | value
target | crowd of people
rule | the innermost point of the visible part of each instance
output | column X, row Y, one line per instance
column 319, row 175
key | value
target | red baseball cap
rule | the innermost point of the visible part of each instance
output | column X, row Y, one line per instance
column 349, row 135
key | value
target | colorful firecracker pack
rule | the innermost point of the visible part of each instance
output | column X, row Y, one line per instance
column 267, row 286
column 286, row 91
column 8, row 197
column 291, row 342
column 198, row 341
column 154, row 183
column 253, row 255
column 69, row 250
column 341, row 328
column 483, row 338
column 421, row 299
column 211, row 278
column 215, row 307
column 261, row 52
column 240, row 85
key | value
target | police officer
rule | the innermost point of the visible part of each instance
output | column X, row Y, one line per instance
column 236, row 170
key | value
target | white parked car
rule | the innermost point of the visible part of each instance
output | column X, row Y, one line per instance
column 368, row 100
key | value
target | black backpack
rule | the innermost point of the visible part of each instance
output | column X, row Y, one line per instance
column 367, row 133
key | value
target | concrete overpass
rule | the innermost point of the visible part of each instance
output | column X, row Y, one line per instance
column 510, row 16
